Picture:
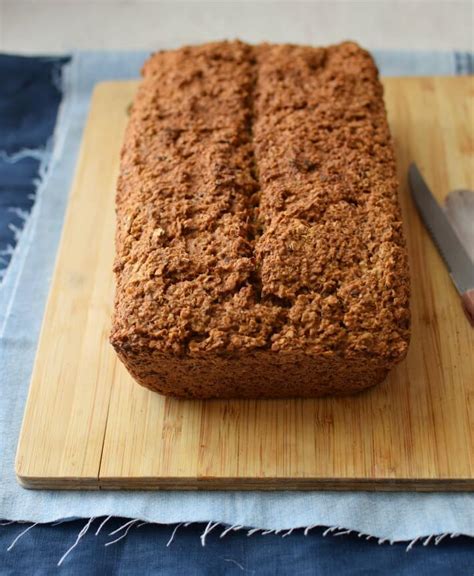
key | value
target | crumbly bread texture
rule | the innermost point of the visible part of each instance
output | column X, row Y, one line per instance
column 260, row 250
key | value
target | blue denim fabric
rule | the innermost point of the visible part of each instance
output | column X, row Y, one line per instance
column 29, row 100
column 143, row 551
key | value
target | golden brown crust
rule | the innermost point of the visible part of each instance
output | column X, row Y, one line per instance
column 258, row 229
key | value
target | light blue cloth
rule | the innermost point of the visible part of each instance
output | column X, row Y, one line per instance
column 395, row 516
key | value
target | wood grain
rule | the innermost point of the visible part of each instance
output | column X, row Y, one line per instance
column 88, row 425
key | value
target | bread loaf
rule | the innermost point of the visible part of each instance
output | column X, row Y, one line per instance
column 259, row 244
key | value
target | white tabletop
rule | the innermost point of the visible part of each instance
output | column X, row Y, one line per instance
column 55, row 26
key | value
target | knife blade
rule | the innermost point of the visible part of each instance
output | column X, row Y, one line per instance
column 458, row 262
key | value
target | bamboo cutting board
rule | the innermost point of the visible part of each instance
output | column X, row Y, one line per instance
column 88, row 425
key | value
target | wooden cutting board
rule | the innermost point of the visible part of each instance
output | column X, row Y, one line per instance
column 88, row 425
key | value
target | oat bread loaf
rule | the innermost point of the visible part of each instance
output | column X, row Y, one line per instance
column 259, row 244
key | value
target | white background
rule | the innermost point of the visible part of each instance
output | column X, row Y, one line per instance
column 50, row 26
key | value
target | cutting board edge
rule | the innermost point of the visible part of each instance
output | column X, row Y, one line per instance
column 249, row 484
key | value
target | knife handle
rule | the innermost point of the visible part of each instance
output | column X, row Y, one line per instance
column 467, row 300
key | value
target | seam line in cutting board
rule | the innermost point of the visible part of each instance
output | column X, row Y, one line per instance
column 105, row 427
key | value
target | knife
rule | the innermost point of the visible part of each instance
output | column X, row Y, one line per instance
column 460, row 266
